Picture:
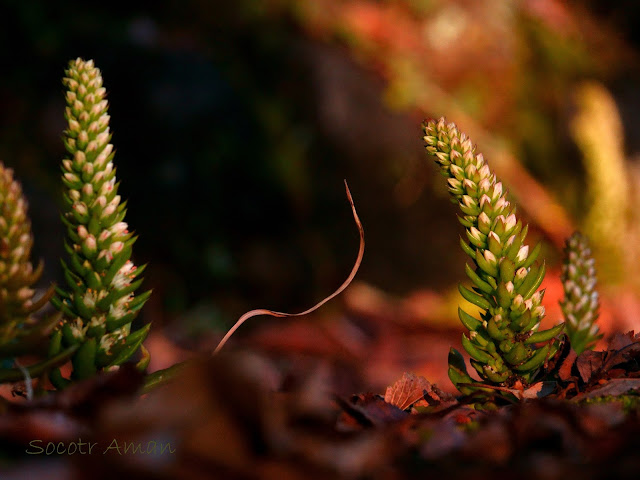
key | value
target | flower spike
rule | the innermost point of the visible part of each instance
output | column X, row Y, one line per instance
column 99, row 302
column 581, row 303
column 19, row 330
column 505, row 276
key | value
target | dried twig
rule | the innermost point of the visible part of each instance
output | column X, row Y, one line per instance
column 354, row 270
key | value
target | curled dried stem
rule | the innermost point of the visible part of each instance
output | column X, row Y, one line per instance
column 345, row 284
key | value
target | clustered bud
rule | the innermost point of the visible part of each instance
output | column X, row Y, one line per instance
column 17, row 275
column 503, row 271
column 580, row 304
column 99, row 302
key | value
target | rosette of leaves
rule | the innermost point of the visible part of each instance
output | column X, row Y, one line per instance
column 99, row 301
column 505, row 276
column 20, row 330
column 581, row 304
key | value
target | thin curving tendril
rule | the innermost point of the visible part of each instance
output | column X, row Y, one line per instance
column 354, row 270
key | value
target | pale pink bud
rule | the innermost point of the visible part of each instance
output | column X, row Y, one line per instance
column 116, row 247
column 490, row 257
column 90, row 243
column 108, row 211
column 101, row 159
column 118, row 228
column 483, row 218
column 497, row 191
column 523, row 253
column 468, row 201
column 444, row 157
column 115, row 201
column 454, row 184
column 484, row 185
column 80, row 207
column 468, row 184
column 457, row 172
column 476, row 234
column 510, row 223
column 103, row 138
column 101, row 201
column 79, row 157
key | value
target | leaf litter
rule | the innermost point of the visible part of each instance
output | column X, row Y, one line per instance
column 238, row 414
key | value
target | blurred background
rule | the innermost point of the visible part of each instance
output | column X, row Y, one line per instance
column 235, row 124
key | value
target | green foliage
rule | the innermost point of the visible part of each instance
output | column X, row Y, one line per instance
column 504, row 273
column 99, row 302
column 580, row 304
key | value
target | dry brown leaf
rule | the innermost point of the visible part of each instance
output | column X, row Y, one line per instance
column 621, row 340
column 564, row 372
column 588, row 363
column 623, row 355
column 538, row 390
column 369, row 410
column 409, row 390
column 614, row 387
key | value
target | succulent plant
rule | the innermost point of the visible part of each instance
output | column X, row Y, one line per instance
column 99, row 302
column 580, row 304
column 20, row 331
column 503, row 270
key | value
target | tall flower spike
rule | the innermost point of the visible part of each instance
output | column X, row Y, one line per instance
column 503, row 271
column 99, row 303
column 19, row 330
column 580, row 304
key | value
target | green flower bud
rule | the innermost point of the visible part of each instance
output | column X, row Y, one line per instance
column 580, row 304
column 505, row 277
column 19, row 329
column 100, row 301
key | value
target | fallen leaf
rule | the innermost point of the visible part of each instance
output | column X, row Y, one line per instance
column 624, row 354
column 538, row 390
column 621, row 340
column 564, row 371
column 588, row 363
column 614, row 387
column 411, row 389
column 370, row 410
